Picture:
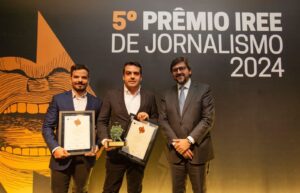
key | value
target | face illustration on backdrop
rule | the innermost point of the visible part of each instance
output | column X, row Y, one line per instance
column 26, row 90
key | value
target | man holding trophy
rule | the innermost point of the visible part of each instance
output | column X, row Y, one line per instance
column 119, row 106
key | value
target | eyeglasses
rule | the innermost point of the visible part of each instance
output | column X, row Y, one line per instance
column 180, row 68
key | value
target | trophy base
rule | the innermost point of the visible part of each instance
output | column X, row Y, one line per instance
column 116, row 143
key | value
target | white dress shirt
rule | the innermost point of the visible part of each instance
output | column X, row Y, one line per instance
column 132, row 101
column 79, row 102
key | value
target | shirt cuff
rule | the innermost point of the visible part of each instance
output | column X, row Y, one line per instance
column 103, row 141
column 55, row 149
column 191, row 139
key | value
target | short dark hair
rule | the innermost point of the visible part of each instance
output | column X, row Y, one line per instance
column 79, row 67
column 178, row 60
column 130, row 63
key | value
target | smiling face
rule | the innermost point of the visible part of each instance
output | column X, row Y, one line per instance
column 80, row 80
column 132, row 77
column 181, row 73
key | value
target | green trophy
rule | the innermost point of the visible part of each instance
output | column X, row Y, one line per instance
column 115, row 134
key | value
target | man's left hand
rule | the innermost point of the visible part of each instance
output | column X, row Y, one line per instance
column 181, row 145
column 188, row 154
column 142, row 116
column 93, row 152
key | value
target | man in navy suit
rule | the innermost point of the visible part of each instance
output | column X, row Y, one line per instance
column 186, row 118
column 64, row 166
column 117, row 107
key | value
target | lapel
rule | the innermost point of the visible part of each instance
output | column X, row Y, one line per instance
column 121, row 101
column 143, row 100
column 189, row 97
column 174, row 98
column 89, row 104
column 69, row 101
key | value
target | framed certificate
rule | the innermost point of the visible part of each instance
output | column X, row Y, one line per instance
column 139, row 141
column 76, row 131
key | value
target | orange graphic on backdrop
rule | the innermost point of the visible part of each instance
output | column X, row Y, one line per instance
column 26, row 88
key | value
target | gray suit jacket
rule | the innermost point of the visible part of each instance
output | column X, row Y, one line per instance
column 114, row 110
column 196, row 121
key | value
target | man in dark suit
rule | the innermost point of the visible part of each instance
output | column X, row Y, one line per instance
column 186, row 118
column 64, row 166
column 117, row 107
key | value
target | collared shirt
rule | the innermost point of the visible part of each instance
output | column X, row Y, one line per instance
column 79, row 102
column 186, row 90
column 132, row 101
column 186, row 86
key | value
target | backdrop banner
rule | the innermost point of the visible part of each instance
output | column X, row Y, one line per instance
column 246, row 51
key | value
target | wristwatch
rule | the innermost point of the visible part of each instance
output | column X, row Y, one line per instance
column 190, row 142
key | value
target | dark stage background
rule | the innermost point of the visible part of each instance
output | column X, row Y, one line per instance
column 256, row 133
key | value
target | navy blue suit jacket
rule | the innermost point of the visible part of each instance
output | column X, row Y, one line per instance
column 64, row 102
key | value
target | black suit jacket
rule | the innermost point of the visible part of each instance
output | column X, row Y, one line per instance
column 114, row 110
column 196, row 121
column 64, row 102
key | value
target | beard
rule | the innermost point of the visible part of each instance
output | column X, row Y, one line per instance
column 181, row 79
column 80, row 87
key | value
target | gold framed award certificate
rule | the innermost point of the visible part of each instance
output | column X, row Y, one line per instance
column 76, row 131
column 139, row 141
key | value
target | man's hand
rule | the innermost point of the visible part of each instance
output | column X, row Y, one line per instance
column 142, row 116
column 60, row 153
column 181, row 145
column 188, row 154
column 93, row 152
column 106, row 145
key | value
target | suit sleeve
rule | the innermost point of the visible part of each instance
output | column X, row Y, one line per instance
column 104, row 119
column 98, row 108
column 207, row 117
column 164, row 122
column 153, row 114
column 97, row 111
column 50, row 124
